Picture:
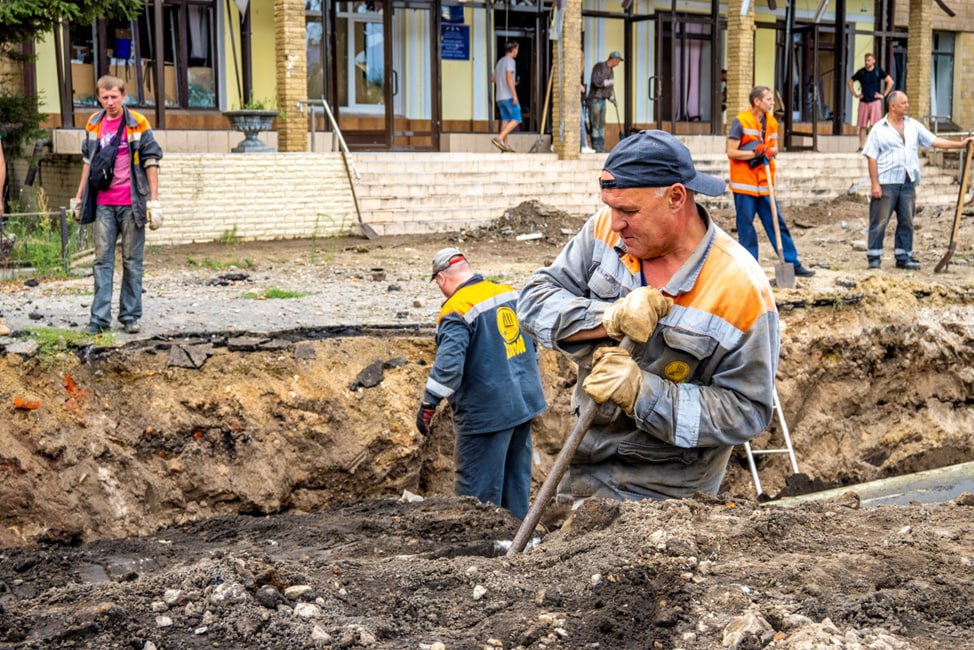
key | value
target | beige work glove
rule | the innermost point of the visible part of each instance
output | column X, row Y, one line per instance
column 615, row 376
column 74, row 209
column 636, row 314
column 153, row 214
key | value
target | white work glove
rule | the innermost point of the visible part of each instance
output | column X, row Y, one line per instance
column 74, row 209
column 153, row 213
column 636, row 314
column 608, row 83
column 615, row 376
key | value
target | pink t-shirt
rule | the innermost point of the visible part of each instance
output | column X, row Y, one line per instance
column 120, row 192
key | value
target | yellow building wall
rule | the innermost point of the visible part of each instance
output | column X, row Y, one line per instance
column 615, row 38
column 47, row 84
column 458, row 100
column 764, row 54
column 263, row 54
column 457, row 79
column 263, row 48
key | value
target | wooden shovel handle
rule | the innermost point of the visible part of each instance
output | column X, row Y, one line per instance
column 564, row 458
column 774, row 211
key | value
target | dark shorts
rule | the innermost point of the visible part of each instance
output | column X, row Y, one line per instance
column 510, row 112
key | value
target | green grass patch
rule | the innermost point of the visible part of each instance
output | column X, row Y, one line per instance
column 229, row 237
column 219, row 265
column 52, row 341
column 275, row 294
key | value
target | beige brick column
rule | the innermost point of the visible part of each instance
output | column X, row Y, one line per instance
column 919, row 57
column 740, row 57
column 964, row 79
column 292, row 75
column 567, row 72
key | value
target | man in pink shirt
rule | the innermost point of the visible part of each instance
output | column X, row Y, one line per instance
column 120, row 207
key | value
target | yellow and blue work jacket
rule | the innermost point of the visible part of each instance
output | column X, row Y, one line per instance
column 485, row 366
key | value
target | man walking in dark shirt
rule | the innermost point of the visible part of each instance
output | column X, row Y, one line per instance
column 875, row 84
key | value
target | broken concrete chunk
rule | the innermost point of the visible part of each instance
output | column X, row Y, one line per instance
column 276, row 344
column 371, row 375
column 245, row 343
column 189, row 356
column 397, row 362
column 25, row 349
column 305, row 351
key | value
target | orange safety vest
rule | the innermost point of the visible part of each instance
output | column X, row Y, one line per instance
column 745, row 180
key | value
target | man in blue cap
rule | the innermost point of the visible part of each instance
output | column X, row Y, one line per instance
column 653, row 266
column 601, row 86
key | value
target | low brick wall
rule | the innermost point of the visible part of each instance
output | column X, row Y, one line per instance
column 262, row 196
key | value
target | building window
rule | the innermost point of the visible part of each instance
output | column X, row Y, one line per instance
column 128, row 51
column 359, row 50
column 942, row 75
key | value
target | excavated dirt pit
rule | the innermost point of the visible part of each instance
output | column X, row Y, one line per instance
column 264, row 498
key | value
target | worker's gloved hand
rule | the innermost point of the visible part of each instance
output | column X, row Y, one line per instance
column 423, row 417
column 608, row 83
column 636, row 315
column 615, row 376
column 153, row 214
column 74, row 209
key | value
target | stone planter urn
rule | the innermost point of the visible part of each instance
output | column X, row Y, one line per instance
column 251, row 122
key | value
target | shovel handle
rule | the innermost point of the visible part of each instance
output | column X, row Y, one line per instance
column 564, row 458
column 774, row 211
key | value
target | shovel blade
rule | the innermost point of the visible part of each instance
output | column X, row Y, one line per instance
column 784, row 275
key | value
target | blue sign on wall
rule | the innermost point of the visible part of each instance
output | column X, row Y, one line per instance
column 455, row 42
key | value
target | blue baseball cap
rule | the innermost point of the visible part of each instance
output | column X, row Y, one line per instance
column 656, row 159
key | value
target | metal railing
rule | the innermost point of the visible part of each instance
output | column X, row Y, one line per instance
column 41, row 243
column 312, row 108
column 309, row 106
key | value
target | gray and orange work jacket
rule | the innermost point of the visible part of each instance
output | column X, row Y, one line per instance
column 708, row 369
column 144, row 152
column 485, row 366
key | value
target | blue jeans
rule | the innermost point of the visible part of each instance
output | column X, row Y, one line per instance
column 596, row 117
column 746, row 206
column 112, row 222
column 902, row 198
column 496, row 467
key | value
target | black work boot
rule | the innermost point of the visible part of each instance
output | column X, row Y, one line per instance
column 908, row 263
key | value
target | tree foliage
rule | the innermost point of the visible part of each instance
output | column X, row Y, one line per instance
column 28, row 19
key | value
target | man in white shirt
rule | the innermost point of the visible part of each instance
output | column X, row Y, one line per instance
column 894, row 172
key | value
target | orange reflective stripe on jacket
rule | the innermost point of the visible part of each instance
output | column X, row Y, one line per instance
column 745, row 180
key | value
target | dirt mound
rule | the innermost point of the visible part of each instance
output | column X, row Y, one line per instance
column 696, row 574
column 529, row 220
column 276, row 460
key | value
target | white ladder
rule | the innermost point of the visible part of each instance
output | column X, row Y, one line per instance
column 787, row 449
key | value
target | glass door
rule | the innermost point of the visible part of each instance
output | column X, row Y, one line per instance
column 683, row 88
column 362, row 68
column 414, row 76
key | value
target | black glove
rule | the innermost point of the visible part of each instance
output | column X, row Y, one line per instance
column 423, row 417
column 760, row 161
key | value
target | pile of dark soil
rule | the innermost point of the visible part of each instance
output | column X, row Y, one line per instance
column 531, row 218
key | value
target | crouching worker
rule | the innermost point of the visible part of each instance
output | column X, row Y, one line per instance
column 653, row 266
column 488, row 371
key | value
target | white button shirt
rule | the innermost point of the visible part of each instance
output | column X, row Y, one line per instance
column 897, row 157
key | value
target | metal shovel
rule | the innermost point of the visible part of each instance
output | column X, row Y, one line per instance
column 784, row 273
